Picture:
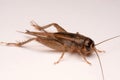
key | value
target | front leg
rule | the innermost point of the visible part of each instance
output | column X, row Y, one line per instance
column 100, row 51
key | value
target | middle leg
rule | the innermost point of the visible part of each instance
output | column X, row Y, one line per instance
column 84, row 57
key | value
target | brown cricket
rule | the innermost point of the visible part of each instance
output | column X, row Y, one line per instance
column 62, row 41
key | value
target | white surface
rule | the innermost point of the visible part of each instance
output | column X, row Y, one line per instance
column 98, row 19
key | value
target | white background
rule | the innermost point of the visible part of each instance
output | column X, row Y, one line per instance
column 98, row 19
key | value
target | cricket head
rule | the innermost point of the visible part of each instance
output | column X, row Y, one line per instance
column 88, row 47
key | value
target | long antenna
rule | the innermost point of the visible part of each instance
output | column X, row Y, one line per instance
column 98, row 55
column 107, row 40
column 100, row 65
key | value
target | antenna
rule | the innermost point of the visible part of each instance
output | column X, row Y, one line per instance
column 98, row 55
column 107, row 40
column 100, row 64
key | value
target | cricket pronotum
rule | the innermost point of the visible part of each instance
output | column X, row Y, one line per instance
column 63, row 41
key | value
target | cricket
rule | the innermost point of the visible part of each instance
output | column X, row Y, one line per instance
column 62, row 41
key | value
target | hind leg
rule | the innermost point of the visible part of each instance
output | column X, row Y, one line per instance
column 18, row 44
column 58, row 27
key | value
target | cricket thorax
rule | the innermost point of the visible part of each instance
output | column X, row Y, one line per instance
column 76, row 42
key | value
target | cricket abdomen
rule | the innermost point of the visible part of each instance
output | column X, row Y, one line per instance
column 51, row 43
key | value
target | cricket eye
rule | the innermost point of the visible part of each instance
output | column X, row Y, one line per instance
column 92, row 45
